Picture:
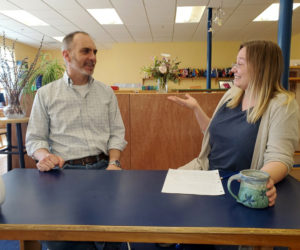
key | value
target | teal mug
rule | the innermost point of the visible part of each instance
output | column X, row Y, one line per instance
column 253, row 188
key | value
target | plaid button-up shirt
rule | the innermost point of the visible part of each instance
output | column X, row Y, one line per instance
column 74, row 126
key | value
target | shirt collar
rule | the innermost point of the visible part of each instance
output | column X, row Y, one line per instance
column 69, row 81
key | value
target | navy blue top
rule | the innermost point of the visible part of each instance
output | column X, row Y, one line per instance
column 232, row 139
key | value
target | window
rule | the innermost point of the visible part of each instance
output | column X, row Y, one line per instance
column 6, row 65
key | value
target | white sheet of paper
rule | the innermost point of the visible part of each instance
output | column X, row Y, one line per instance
column 193, row 182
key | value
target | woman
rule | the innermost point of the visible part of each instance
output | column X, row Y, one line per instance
column 255, row 124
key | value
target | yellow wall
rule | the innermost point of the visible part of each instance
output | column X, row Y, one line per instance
column 123, row 63
column 55, row 54
column 295, row 47
column 22, row 50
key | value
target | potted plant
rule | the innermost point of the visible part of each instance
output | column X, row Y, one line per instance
column 48, row 71
column 14, row 77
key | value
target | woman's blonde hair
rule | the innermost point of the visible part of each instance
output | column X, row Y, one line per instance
column 265, row 63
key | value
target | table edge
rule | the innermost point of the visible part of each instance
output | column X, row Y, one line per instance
column 150, row 229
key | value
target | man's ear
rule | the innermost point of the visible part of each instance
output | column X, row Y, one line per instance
column 66, row 55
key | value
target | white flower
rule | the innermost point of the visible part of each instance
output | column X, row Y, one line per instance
column 163, row 68
column 165, row 55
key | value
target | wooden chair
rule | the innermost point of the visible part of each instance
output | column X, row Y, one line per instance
column 3, row 142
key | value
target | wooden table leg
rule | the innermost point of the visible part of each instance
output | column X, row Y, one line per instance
column 30, row 245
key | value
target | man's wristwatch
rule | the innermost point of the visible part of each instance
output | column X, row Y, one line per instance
column 116, row 163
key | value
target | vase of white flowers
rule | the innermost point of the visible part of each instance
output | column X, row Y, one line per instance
column 13, row 109
column 14, row 76
column 162, row 85
column 163, row 70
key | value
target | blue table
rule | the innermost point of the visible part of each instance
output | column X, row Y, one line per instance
column 98, row 205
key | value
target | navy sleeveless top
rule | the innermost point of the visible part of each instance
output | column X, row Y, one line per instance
column 232, row 139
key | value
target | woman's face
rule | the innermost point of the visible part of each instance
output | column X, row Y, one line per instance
column 241, row 71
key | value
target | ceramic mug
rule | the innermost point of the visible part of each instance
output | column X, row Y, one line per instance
column 253, row 188
column 2, row 190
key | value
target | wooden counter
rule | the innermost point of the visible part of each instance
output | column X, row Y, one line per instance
column 163, row 134
column 160, row 133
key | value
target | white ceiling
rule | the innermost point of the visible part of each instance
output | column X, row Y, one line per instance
column 144, row 21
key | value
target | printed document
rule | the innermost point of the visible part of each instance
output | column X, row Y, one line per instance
column 193, row 182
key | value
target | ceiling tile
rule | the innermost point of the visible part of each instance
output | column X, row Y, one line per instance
column 118, row 33
column 160, row 12
column 184, row 31
column 30, row 5
column 192, row 2
column 95, row 4
column 144, row 21
column 140, row 33
column 4, row 5
column 131, row 12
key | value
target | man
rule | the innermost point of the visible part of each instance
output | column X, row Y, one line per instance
column 75, row 122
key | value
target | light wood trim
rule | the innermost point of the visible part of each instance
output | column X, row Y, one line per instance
column 200, row 235
column 4, row 120
column 294, row 78
column 150, row 229
column 294, row 67
column 295, row 172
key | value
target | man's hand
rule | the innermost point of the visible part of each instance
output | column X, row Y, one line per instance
column 49, row 161
column 271, row 193
column 113, row 167
column 114, row 155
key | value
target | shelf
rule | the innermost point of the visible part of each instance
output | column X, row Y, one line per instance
column 294, row 78
column 195, row 78
column 198, row 90
column 294, row 67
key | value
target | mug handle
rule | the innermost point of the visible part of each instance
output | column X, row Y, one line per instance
column 232, row 178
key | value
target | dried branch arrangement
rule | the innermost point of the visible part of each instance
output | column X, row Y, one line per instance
column 14, row 75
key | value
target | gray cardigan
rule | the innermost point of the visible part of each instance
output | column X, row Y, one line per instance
column 277, row 138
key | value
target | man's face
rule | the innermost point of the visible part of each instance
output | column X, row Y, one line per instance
column 81, row 56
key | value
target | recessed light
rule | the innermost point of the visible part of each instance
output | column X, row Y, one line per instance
column 58, row 38
column 105, row 16
column 189, row 14
column 24, row 17
column 271, row 13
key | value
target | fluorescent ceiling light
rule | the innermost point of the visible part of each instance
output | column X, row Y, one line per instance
column 189, row 14
column 272, row 13
column 58, row 38
column 25, row 17
column 105, row 16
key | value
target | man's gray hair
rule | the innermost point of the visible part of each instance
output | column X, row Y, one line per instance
column 68, row 39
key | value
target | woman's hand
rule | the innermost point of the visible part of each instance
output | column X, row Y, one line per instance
column 189, row 102
column 271, row 193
